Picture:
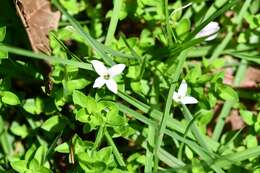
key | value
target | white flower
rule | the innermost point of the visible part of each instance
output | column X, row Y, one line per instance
column 181, row 97
column 106, row 75
column 209, row 31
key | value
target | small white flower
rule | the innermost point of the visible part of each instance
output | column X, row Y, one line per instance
column 106, row 75
column 209, row 31
column 181, row 97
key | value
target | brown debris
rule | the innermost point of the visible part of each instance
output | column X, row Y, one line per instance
column 39, row 19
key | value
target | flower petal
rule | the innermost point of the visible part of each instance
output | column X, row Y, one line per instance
column 212, row 37
column 99, row 67
column 116, row 69
column 175, row 97
column 99, row 82
column 111, row 85
column 189, row 100
column 183, row 89
column 209, row 31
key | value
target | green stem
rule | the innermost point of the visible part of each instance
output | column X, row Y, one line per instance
column 166, row 115
column 195, row 130
column 117, row 154
column 113, row 21
column 99, row 137
column 238, row 78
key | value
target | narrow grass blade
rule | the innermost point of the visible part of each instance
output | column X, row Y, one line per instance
column 238, row 78
column 220, row 48
column 134, row 54
column 193, row 145
column 163, row 126
column 207, row 157
column 52, row 146
column 244, row 56
column 226, row 7
column 138, row 104
column 214, row 7
column 236, row 158
column 167, row 21
column 113, row 21
column 86, row 36
column 50, row 59
column 136, row 115
column 99, row 137
column 169, row 159
column 221, row 120
column 117, row 154
column 157, row 115
column 148, row 167
column 163, row 122
column 195, row 131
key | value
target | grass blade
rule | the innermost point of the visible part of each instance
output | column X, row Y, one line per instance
column 117, row 154
column 163, row 122
column 148, row 167
column 238, row 78
column 87, row 37
column 50, row 59
column 195, row 131
column 226, row 7
column 113, row 21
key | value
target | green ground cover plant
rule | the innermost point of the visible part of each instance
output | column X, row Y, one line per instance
column 134, row 86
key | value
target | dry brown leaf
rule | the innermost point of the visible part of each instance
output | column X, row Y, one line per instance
column 252, row 77
column 235, row 120
column 38, row 19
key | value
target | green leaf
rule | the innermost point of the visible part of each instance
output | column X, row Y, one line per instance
column 175, row 16
column 55, row 123
column 247, row 117
column 63, row 148
column 254, row 7
column 19, row 166
column 19, row 130
column 74, row 6
column 30, row 152
column 33, row 105
column 10, row 98
column 115, row 120
column 94, row 119
column 2, row 33
column 105, row 154
column 82, row 116
column 84, row 101
column 183, row 27
column 40, row 154
column 34, row 165
column 3, row 54
column 217, row 63
column 77, row 84
column 227, row 93
column 194, row 74
column 257, row 124
column 133, row 71
column 205, row 116
column 188, row 153
column 251, row 141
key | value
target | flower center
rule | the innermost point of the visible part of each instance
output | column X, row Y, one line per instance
column 106, row 76
column 180, row 97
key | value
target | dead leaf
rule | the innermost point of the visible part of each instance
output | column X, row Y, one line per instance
column 38, row 19
column 235, row 120
column 252, row 77
column 250, row 80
